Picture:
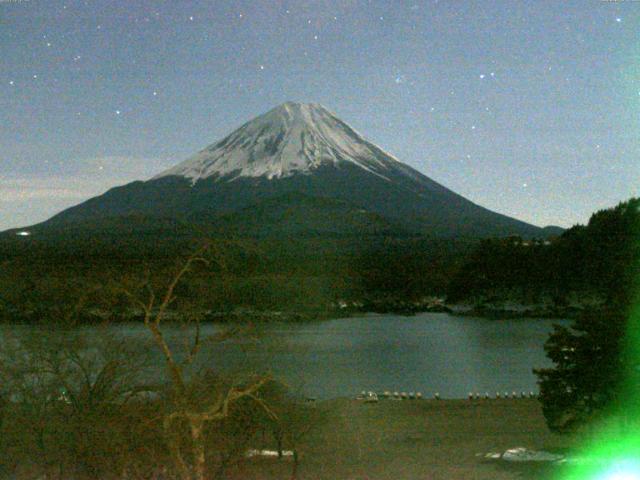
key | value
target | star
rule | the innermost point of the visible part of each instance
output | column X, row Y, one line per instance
column 618, row 20
column 261, row 67
column 481, row 76
column 155, row 94
column 315, row 37
column 11, row 82
column 191, row 18
column 35, row 76
column 524, row 185
column 493, row 74
column 473, row 127
column 117, row 112
column 48, row 44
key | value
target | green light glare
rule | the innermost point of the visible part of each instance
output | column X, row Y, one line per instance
column 628, row 470
column 622, row 473
column 612, row 452
column 613, row 459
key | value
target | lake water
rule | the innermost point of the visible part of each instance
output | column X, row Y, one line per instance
column 428, row 353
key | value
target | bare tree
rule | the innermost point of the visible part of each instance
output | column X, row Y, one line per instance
column 79, row 409
column 72, row 404
column 194, row 412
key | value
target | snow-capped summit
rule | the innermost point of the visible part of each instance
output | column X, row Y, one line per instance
column 291, row 138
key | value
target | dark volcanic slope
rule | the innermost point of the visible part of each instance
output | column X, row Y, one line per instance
column 420, row 207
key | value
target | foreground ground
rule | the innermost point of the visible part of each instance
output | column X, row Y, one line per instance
column 413, row 439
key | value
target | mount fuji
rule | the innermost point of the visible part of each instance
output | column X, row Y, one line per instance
column 297, row 169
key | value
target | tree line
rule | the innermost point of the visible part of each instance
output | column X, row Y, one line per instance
column 596, row 261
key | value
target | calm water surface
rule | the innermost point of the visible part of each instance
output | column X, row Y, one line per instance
column 430, row 352
column 427, row 353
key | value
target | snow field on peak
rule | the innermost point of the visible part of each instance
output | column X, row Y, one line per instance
column 289, row 139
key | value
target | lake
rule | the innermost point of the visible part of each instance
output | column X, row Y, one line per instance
column 428, row 353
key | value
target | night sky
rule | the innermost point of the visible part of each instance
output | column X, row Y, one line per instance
column 529, row 108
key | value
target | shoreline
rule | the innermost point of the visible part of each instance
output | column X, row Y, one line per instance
column 525, row 312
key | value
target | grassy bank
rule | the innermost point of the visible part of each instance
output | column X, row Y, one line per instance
column 425, row 439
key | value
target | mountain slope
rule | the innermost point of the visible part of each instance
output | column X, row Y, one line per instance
column 302, row 216
column 304, row 149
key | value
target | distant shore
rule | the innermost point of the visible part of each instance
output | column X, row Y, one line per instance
column 267, row 316
column 490, row 312
column 518, row 311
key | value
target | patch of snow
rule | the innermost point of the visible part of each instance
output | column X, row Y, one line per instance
column 521, row 454
column 490, row 455
column 268, row 453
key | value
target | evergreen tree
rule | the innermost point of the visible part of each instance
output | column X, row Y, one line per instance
column 589, row 366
